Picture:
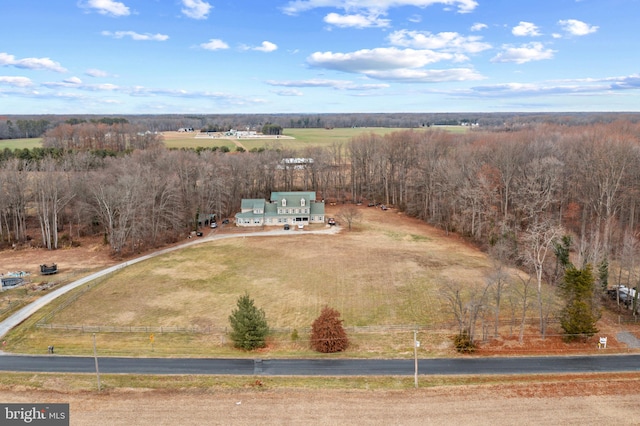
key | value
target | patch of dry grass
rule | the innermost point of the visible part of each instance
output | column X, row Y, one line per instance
column 387, row 271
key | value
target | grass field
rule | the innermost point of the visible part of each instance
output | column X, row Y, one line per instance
column 13, row 144
column 295, row 139
column 386, row 273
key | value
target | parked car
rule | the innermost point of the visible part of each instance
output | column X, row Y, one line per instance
column 331, row 221
column 383, row 207
column 225, row 222
column 214, row 225
column 286, row 227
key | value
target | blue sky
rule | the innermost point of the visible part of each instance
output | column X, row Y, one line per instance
column 316, row 56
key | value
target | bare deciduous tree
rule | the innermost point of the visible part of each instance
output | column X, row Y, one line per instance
column 537, row 243
column 466, row 304
column 51, row 193
column 349, row 214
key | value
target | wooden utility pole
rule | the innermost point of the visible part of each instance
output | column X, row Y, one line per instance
column 95, row 356
column 415, row 357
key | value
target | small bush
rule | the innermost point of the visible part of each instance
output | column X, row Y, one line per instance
column 327, row 333
column 463, row 343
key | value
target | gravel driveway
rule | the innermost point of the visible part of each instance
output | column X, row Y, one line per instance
column 628, row 339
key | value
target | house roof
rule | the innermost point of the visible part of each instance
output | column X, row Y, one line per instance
column 317, row 208
column 252, row 204
column 294, row 198
column 270, row 209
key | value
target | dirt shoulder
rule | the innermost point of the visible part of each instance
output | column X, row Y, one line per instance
column 568, row 401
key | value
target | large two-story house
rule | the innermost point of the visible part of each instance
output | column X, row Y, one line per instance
column 294, row 208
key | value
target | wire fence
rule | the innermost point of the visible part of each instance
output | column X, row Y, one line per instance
column 628, row 319
column 449, row 327
column 12, row 306
column 131, row 329
column 374, row 329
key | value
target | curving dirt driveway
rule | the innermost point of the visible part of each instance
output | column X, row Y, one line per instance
column 33, row 307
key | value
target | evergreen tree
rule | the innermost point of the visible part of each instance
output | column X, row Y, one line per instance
column 249, row 325
column 271, row 129
column 327, row 333
column 562, row 249
column 580, row 314
column 603, row 274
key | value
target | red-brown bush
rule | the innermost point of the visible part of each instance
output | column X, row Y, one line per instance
column 327, row 333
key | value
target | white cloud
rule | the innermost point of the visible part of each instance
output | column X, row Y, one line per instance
column 288, row 92
column 564, row 87
column 525, row 53
column 393, row 64
column 196, row 9
column 73, row 80
column 577, row 28
column 355, row 21
column 136, row 36
column 16, row 81
column 107, row 7
column 76, row 83
column 214, row 44
column 31, row 63
column 478, row 26
column 266, row 46
column 335, row 84
column 374, row 6
column 427, row 76
column 231, row 99
column 446, row 41
column 626, row 82
column 525, row 29
column 92, row 72
column 366, row 60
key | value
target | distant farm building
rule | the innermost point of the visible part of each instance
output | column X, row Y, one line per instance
column 295, row 163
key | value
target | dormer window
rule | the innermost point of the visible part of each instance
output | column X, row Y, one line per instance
column 302, row 202
column 284, row 202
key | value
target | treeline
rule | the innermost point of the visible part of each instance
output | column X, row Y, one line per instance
column 107, row 135
column 25, row 126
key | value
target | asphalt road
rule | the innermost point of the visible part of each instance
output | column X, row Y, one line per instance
column 314, row 367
